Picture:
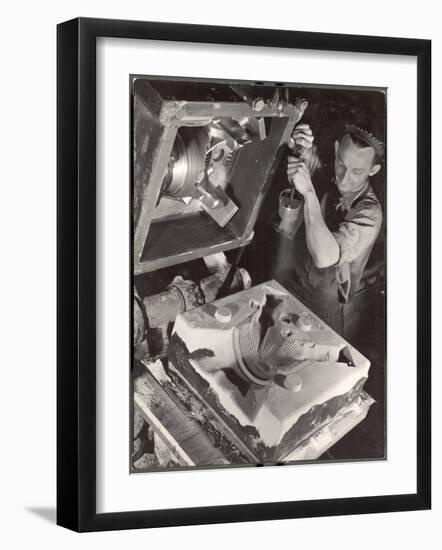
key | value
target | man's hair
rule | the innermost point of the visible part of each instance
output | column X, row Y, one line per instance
column 362, row 138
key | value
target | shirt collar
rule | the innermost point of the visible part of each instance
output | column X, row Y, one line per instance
column 346, row 201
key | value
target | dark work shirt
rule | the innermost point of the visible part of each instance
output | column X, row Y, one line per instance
column 355, row 222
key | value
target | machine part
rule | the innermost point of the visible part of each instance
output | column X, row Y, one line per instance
column 216, row 202
column 196, row 154
column 281, row 98
column 189, row 292
column 241, row 132
column 203, row 161
column 195, row 171
column 223, row 315
column 258, row 104
column 216, row 262
column 212, row 284
column 246, row 280
column 263, row 351
column 246, row 312
column 262, row 128
column 304, row 322
column 246, row 93
column 181, row 295
column 266, row 341
column 291, row 382
column 262, row 347
column 248, row 364
column 272, row 396
column 186, row 162
column 155, row 314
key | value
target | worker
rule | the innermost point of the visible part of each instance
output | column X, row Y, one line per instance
column 339, row 231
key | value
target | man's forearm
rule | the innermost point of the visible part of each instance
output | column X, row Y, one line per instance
column 320, row 241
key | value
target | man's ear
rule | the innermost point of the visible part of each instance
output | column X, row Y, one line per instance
column 336, row 146
column 374, row 169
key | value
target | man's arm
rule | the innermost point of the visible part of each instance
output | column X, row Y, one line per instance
column 321, row 243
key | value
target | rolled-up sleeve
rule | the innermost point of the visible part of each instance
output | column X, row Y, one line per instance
column 359, row 230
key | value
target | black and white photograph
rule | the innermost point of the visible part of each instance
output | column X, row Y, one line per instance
column 219, row 236
column 258, row 266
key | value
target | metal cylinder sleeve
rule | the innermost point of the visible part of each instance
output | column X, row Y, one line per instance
column 186, row 162
column 248, row 362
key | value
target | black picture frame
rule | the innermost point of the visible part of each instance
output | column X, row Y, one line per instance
column 76, row 273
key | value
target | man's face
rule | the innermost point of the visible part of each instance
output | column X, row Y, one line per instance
column 353, row 165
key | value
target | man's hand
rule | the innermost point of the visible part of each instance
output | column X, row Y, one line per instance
column 299, row 175
column 302, row 136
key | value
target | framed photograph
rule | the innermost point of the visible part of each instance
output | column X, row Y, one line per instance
column 243, row 274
